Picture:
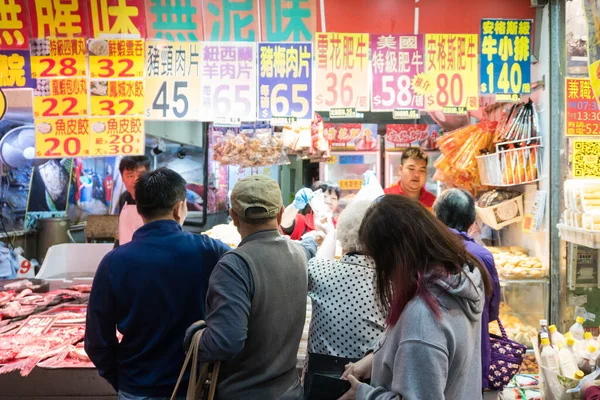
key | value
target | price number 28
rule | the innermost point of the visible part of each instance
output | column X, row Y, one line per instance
column 179, row 100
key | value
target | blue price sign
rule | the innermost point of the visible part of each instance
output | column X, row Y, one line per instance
column 358, row 159
column 505, row 64
column 285, row 80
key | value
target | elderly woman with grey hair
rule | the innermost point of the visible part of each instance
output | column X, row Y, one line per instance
column 346, row 321
column 456, row 209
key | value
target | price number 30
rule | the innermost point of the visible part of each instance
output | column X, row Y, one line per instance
column 299, row 105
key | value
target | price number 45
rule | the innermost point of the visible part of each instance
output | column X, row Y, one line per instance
column 180, row 101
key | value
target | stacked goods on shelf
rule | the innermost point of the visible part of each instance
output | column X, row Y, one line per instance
column 516, row 329
column 253, row 145
column 581, row 218
column 517, row 144
column 307, row 141
column 514, row 263
column 457, row 166
column 226, row 233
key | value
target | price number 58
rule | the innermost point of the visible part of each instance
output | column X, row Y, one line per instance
column 280, row 104
column 171, row 102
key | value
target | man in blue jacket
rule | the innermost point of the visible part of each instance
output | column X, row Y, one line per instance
column 151, row 290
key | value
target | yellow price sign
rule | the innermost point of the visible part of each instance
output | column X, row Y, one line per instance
column 350, row 184
column 58, row 66
column 62, row 137
column 103, row 106
column 117, row 136
column 116, row 67
column 60, row 106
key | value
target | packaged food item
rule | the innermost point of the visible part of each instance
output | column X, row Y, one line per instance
column 549, row 357
column 577, row 329
column 568, row 362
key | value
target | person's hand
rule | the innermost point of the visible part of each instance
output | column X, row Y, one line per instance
column 351, row 393
column 317, row 236
column 302, row 198
column 190, row 332
column 326, row 227
column 360, row 369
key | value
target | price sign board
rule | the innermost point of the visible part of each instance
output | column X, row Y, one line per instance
column 15, row 69
column 586, row 158
column 172, row 81
column 342, row 73
column 398, row 64
column 285, row 80
column 116, row 58
column 63, row 98
column 62, row 137
column 350, row 184
column 116, row 98
column 228, row 74
column 451, row 72
column 58, row 58
column 583, row 113
column 505, row 65
column 117, row 136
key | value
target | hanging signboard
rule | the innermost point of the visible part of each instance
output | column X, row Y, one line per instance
column 505, row 65
column 117, row 18
column 399, row 137
column 113, row 136
column 586, row 158
column 61, row 98
column 62, row 137
column 116, row 58
column 108, row 98
column 175, row 21
column 397, row 66
column 15, row 69
column 286, row 21
column 583, row 113
column 172, row 89
column 228, row 81
column 285, row 80
column 51, row 18
column 342, row 73
column 451, row 80
column 58, row 58
column 14, row 32
column 227, row 21
column 352, row 137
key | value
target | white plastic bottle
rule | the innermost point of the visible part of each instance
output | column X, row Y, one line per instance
column 577, row 328
column 589, row 340
column 568, row 364
column 556, row 338
column 550, row 358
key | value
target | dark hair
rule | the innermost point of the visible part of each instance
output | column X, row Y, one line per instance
column 414, row 153
column 327, row 187
column 456, row 209
column 411, row 248
column 131, row 163
column 157, row 192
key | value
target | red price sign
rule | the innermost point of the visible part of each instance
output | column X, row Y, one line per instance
column 62, row 137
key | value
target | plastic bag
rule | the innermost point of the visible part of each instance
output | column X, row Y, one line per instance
column 320, row 210
column 371, row 189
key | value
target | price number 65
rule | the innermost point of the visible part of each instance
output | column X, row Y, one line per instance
column 179, row 100
column 280, row 104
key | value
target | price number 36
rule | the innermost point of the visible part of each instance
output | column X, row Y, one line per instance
column 299, row 105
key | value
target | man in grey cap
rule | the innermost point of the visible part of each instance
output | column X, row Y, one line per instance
column 256, row 301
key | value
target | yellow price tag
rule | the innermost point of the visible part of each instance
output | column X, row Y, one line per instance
column 116, row 67
column 60, row 106
column 117, row 136
column 58, row 66
column 62, row 137
column 350, row 184
column 103, row 106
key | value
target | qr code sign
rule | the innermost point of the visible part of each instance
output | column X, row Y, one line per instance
column 586, row 158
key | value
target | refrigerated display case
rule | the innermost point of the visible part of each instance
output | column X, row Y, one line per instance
column 355, row 150
column 399, row 137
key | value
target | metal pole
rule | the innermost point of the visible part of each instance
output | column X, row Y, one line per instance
column 557, row 155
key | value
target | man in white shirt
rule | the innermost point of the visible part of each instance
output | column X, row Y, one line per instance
column 131, row 168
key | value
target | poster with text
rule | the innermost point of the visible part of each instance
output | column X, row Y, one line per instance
column 398, row 62
column 117, row 18
column 56, row 19
column 15, row 69
column 174, row 20
column 582, row 111
column 342, row 73
column 14, row 32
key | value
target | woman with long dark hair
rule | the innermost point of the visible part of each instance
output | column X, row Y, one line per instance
column 432, row 292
